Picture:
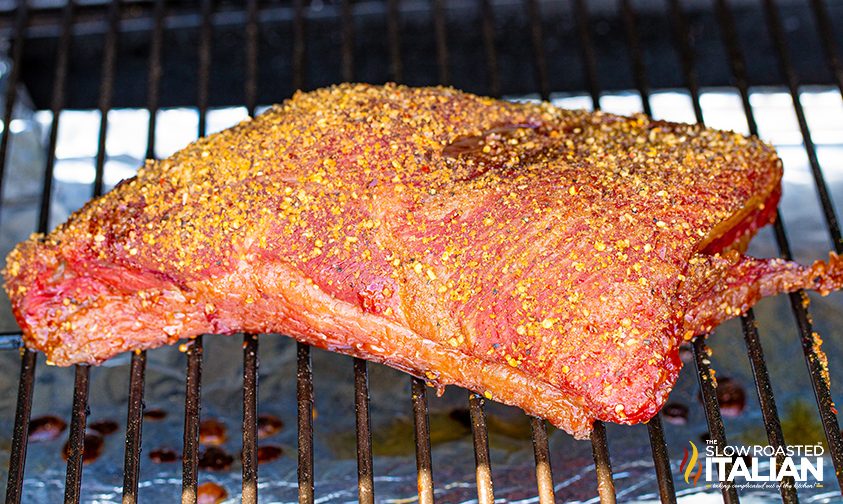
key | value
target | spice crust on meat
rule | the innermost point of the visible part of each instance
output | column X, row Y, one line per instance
column 547, row 258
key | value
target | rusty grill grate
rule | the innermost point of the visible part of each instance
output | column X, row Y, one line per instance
column 18, row 22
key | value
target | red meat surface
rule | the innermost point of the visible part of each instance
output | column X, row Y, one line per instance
column 549, row 259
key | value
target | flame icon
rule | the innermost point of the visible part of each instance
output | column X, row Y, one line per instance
column 688, row 465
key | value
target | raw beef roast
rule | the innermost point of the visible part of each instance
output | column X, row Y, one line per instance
column 549, row 259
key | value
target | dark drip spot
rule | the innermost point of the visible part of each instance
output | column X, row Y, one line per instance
column 215, row 459
column 104, row 427
column 155, row 414
column 463, row 145
column 675, row 413
column 212, row 433
column 730, row 396
column 163, row 455
column 46, row 428
column 91, row 448
column 496, row 148
column 269, row 425
column 268, row 453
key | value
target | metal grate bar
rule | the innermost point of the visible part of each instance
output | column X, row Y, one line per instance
column 661, row 460
column 20, row 434
column 76, row 440
column 153, row 82
column 204, row 70
column 304, row 394
column 252, row 33
column 736, row 60
column 485, row 490
column 249, row 454
column 106, row 87
column 365, row 481
column 347, row 41
column 639, row 70
column 602, row 464
column 537, row 39
column 12, row 86
column 490, row 48
column 441, row 32
column 298, row 46
column 134, row 428
column 422, row 434
column 823, row 22
column 154, row 76
column 589, row 59
column 393, row 26
column 772, row 423
column 544, row 474
column 56, row 106
column 192, row 407
column 768, row 402
column 789, row 74
column 708, row 388
column 681, row 33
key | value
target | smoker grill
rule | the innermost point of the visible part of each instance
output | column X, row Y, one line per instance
column 27, row 25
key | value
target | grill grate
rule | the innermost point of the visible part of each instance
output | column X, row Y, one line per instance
column 304, row 380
